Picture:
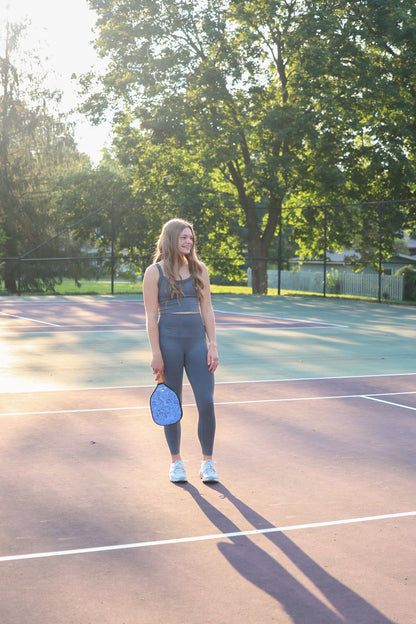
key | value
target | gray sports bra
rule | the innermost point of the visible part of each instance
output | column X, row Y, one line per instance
column 172, row 305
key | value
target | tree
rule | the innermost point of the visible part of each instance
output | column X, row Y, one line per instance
column 198, row 97
column 35, row 144
column 166, row 182
column 99, row 202
column 289, row 101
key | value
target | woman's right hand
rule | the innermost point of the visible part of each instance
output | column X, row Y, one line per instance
column 157, row 365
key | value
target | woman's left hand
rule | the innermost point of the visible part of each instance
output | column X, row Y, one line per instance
column 212, row 358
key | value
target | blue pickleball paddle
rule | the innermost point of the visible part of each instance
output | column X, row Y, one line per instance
column 165, row 406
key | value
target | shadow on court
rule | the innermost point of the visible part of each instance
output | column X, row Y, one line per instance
column 265, row 572
column 316, row 424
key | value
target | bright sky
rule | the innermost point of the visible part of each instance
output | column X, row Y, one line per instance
column 61, row 31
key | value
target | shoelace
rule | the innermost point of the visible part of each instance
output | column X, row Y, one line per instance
column 178, row 468
column 209, row 469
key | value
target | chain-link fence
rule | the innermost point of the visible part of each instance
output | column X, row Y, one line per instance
column 362, row 249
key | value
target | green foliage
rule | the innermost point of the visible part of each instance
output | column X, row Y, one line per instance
column 409, row 274
column 400, row 246
column 35, row 144
column 333, row 282
column 166, row 182
column 262, row 103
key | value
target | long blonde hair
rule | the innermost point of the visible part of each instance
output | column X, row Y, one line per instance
column 167, row 250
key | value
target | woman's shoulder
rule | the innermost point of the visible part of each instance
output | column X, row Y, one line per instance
column 201, row 266
column 204, row 268
column 153, row 271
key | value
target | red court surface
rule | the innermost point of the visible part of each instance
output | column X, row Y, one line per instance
column 110, row 315
column 314, row 518
column 313, row 521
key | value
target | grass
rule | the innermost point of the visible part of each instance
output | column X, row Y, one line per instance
column 68, row 287
column 125, row 288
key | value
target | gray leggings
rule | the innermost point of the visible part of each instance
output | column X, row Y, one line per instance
column 183, row 346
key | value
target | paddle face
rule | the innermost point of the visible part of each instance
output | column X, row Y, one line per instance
column 165, row 406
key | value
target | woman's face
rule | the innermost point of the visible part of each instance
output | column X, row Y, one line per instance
column 186, row 241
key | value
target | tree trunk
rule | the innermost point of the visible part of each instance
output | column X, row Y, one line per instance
column 258, row 242
column 6, row 199
column 10, row 271
column 10, row 279
column 259, row 258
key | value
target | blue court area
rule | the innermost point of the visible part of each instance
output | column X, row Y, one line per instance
column 313, row 521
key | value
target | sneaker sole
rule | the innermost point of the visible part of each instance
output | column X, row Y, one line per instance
column 178, row 480
column 209, row 480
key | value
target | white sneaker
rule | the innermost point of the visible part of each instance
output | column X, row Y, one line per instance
column 208, row 473
column 177, row 472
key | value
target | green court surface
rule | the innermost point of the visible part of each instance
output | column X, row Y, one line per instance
column 362, row 339
column 371, row 339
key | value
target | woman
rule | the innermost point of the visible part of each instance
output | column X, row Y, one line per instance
column 181, row 328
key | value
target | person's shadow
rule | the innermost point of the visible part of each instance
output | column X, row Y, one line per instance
column 265, row 571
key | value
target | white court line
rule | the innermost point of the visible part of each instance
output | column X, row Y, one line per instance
column 79, row 331
column 373, row 398
column 276, row 318
column 234, row 325
column 24, row 318
column 203, row 538
column 316, row 324
column 288, row 400
column 74, row 301
column 130, row 325
column 289, row 379
column 62, row 330
column 217, row 383
column 219, row 326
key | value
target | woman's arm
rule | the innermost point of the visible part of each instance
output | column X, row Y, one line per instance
column 208, row 318
column 151, row 304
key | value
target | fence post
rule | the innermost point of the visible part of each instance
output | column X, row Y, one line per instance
column 380, row 250
column 19, row 275
column 279, row 253
column 325, row 244
column 112, row 246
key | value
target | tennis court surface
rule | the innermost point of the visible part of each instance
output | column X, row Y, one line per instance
column 313, row 521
